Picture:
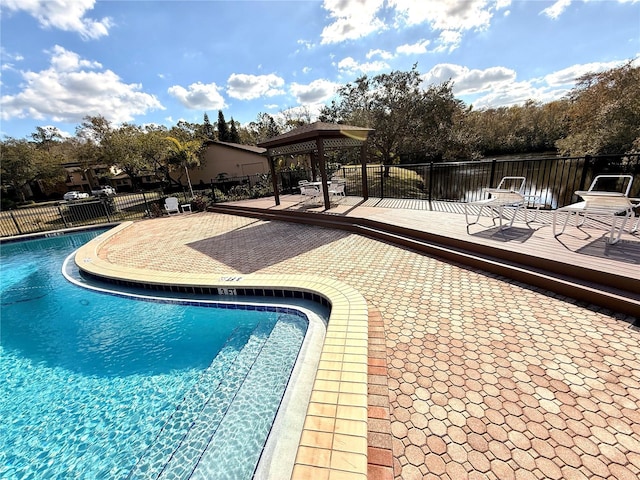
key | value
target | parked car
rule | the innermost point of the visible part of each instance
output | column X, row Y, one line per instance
column 75, row 195
column 104, row 190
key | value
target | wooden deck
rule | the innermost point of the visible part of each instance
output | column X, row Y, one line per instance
column 579, row 263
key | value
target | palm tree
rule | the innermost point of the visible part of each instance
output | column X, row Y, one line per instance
column 185, row 154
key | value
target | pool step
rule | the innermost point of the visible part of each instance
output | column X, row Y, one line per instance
column 204, row 425
column 258, row 399
column 178, row 425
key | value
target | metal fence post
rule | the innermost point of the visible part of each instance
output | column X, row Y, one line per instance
column 585, row 168
column 381, row 181
column 430, row 183
column 493, row 172
column 106, row 209
column 146, row 204
column 64, row 220
column 213, row 192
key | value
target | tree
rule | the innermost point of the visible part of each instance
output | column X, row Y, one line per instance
column 405, row 117
column 604, row 113
column 23, row 162
column 296, row 117
column 154, row 150
column 208, row 132
column 184, row 155
column 263, row 128
column 234, row 136
column 223, row 129
column 46, row 137
column 124, row 150
column 92, row 135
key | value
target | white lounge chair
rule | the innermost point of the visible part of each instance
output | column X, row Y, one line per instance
column 508, row 194
column 171, row 205
column 613, row 205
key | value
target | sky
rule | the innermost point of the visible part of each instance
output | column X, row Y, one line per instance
column 159, row 62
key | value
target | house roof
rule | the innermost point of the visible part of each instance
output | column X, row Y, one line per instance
column 317, row 130
column 238, row 146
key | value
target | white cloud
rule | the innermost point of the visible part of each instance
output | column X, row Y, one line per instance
column 349, row 65
column 199, row 96
column 415, row 48
column 517, row 94
column 492, row 87
column 468, row 81
column 385, row 55
column 7, row 59
column 248, row 87
column 66, row 15
column 65, row 61
column 498, row 86
column 449, row 17
column 555, row 10
column 306, row 44
column 568, row 76
column 447, row 14
column 72, row 88
column 351, row 19
column 317, row 91
column 359, row 18
column 561, row 6
column 449, row 40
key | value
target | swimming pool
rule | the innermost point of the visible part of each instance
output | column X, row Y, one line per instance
column 98, row 386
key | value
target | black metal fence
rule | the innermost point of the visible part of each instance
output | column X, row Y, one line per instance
column 94, row 211
column 552, row 179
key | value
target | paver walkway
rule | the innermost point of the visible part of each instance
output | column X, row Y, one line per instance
column 487, row 378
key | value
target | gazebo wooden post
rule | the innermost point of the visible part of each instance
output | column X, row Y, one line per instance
column 363, row 161
column 314, row 162
column 323, row 173
column 274, row 179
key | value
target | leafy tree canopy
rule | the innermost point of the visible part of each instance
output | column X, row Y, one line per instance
column 604, row 113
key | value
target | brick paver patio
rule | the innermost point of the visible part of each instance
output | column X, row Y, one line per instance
column 485, row 378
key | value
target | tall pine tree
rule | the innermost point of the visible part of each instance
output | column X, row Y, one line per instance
column 207, row 129
column 223, row 129
column 234, row 136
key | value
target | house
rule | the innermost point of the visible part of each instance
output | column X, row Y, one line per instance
column 84, row 179
column 222, row 159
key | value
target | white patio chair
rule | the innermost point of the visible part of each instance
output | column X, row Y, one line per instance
column 508, row 194
column 171, row 205
column 337, row 190
column 311, row 192
column 613, row 205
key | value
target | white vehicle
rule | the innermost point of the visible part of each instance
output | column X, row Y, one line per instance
column 75, row 195
column 104, row 190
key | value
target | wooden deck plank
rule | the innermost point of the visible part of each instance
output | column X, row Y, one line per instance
column 585, row 247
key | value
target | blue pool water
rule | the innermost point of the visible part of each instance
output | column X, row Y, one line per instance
column 99, row 386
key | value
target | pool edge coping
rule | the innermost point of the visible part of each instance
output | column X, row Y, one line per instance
column 334, row 435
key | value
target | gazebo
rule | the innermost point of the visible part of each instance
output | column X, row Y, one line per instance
column 315, row 139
